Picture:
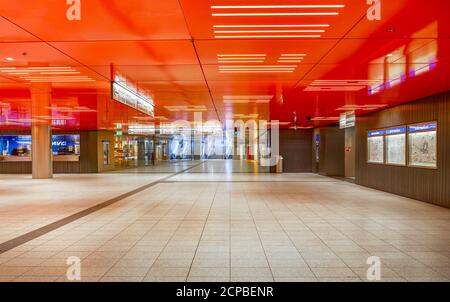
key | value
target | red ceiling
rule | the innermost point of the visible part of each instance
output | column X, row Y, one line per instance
column 169, row 47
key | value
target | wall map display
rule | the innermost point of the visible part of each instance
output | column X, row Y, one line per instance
column 423, row 145
column 396, row 146
column 375, row 147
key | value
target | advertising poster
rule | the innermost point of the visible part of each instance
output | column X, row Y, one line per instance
column 396, row 146
column 66, row 144
column 375, row 147
column 423, row 145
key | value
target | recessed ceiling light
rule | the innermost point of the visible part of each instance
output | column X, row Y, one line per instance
column 9, row 59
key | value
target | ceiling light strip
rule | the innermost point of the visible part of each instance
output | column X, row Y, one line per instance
column 269, row 31
column 241, row 55
column 59, row 72
column 264, row 66
column 277, row 6
column 224, row 62
column 241, row 58
column 49, row 67
column 271, row 26
column 256, row 71
column 274, row 14
column 268, row 36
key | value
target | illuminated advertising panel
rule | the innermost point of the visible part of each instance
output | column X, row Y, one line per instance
column 422, row 141
column 396, row 146
column 125, row 92
column 375, row 146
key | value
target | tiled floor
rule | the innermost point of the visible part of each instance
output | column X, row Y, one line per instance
column 205, row 226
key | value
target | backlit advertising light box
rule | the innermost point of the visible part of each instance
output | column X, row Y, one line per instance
column 375, row 147
column 18, row 147
column 422, row 145
column 396, row 146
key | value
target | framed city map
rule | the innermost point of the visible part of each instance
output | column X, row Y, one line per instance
column 396, row 146
column 375, row 147
column 423, row 145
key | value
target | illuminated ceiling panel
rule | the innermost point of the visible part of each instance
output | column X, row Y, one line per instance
column 314, row 58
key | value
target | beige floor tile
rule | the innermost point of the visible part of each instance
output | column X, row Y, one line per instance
column 327, row 272
column 168, row 272
column 46, row 271
column 164, row 279
column 211, row 262
column 252, row 279
column 325, row 263
column 339, row 279
column 208, row 279
column 250, row 272
column 135, row 262
column 262, row 226
column 35, row 279
column 219, row 272
column 289, row 272
column 296, row 279
column 121, row 279
column 84, row 278
column 121, row 271
column 13, row 270
column 24, row 262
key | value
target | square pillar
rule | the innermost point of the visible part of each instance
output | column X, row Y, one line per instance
column 41, row 131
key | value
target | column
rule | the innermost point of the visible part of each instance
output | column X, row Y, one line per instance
column 41, row 132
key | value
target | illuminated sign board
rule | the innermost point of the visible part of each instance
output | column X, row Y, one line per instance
column 398, row 130
column 142, row 129
column 376, row 133
column 128, row 94
column 347, row 120
column 423, row 127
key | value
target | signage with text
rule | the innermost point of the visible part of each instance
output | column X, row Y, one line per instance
column 123, row 91
column 423, row 127
column 376, row 133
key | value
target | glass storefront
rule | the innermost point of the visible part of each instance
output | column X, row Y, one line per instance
column 65, row 147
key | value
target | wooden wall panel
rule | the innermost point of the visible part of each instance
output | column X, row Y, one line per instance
column 332, row 151
column 427, row 185
column 295, row 147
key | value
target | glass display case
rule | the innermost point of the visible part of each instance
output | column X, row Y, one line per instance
column 375, row 147
column 396, row 146
column 422, row 142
